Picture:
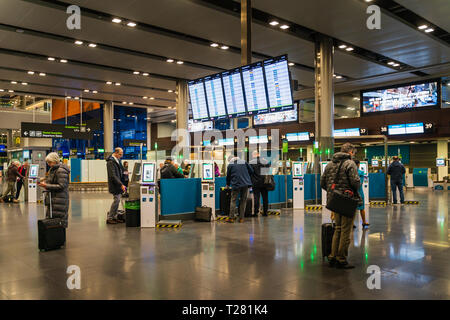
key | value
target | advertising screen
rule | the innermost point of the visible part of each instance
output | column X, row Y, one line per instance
column 234, row 95
column 278, row 84
column 34, row 171
column 214, row 96
column 297, row 169
column 276, row 117
column 400, row 98
column 208, row 172
column 255, row 88
column 198, row 100
column 149, row 173
column 440, row 162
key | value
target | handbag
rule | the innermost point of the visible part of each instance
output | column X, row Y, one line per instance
column 269, row 183
column 342, row 203
column 203, row 214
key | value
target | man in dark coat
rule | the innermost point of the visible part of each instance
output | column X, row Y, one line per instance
column 169, row 171
column 57, row 183
column 259, row 189
column 115, row 185
column 396, row 170
column 343, row 173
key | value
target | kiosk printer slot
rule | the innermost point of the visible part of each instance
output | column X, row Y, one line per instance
column 32, row 183
column 364, row 166
column 149, row 195
column 208, row 191
column 323, row 165
column 298, row 185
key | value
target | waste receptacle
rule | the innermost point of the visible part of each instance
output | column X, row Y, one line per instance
column 132, row 213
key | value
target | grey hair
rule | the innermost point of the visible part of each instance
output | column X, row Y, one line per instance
column 347, row 147
column 52, row 157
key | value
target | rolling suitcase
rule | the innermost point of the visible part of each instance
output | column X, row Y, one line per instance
column 327, row 238
column 225, row 200
column 51, row 232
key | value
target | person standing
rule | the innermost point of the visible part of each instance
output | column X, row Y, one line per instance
column 341, row 175
column 125, row 177
column 11, row 177
column 361, row 207
column 259, row 189
column 23, row 170
column 396, row 170
column 115, row 185
column 238, row 178
column 57, row 182
column 169, row 171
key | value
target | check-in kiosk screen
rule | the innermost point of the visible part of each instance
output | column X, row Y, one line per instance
column 34, row 171
column 208, row 172
column 298, row 169
column 149, row 173
column 375, row 163
column 363, row 167
column 440, row 162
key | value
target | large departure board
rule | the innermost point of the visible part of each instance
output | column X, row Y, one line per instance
column 255, row 88
column 234, row 95
column 278, row 84
column 198, row 100
column 214, row 96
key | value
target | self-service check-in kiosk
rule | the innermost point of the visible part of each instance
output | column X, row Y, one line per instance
column 364, row 166
column 208, row 190
column 32, row 183
column 323, row 165
column 149, row 196
column 298, row 185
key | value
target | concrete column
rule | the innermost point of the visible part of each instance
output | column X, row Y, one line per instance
column 324, row 92
column 108, row 127
column 246, row 32
column 309, row 154
column 442, row 152
column 182, row 115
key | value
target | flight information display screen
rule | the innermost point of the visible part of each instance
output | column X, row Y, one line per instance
column 198, row 100
column 234, row 95
column 414, row 128
column 255, row 88
column 214, row 96
column 278, row 84
column 297, row 136
column 409, row 128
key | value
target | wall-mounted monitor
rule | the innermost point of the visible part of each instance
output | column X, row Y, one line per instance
column 199, row 126
column 276, row 117
column 208, row 171
column 401, row 98
column 198, row 100
column 234, row 94
column 351, row 132
column 215, row 97
column 375, row 163
column 34, row 171
column 297, row 169
column 297, row 136
column 278, row 84
column 226, row 142
column 258, row 139
column 149, row 171
column 441, row 162
column 409, row 128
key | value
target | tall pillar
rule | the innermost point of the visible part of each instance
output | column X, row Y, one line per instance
column 324, row 110
column 108, row 127
column 442, row 152
column 246, row 32
column 182, row 116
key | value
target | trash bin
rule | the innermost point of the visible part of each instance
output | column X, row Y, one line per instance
column 132, row 213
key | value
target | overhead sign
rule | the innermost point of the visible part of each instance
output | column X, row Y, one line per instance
column 134, row 143
column 49, row 130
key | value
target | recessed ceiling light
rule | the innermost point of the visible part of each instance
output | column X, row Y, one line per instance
column 10, row 91
column 349, row 49
column 338, row 77
column 214, row 45
column 424, row 26
column 1, row 90
column 24, row 83
column 152, row 98
column 429, row 30
column 14, row 82
column 284, row 27
column 77, row 98
column 144, row 97
column 51, row 59
column 124, row 102
column 368, row 0
column 30, row 72
column 86, row 90
column 108, row 82
column 170, row 91
column 63, row 61
column 136, row 72
column 95, row 91
column 131, row 24
column 180, row 62
column 130, row 103
column 334, row 75
column 145, row 74
column 291, row 64
column 117, row 83
column 342, row 46
column 92, row 45
column 169, row 60
column 224, row 47
column 391, row 63
column 42, row 74
column 117, row 20
column 396, row 64
column 68, row 97
column 78, row 42
column 274, row 23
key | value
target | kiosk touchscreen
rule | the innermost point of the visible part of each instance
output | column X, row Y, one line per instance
column 208, row 190
column 298, row 185
column 364, row 166
column 149, row 195
column 440, row 162
column 32, row 183
column 375, row 163
column 323, row 165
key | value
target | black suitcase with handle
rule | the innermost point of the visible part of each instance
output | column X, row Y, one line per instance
column 51, row 232
column 327, row 238
column 225, row 200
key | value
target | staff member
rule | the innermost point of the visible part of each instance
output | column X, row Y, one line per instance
column 115, row 185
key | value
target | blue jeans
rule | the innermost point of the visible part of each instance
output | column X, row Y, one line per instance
column 394, row 186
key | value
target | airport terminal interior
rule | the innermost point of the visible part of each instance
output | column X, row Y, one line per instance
column 146, row 104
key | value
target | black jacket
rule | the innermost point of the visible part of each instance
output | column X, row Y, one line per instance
column 257, row 177
column 58, row 184
column 238, row 174
column 170, row 172
column 396, row 170
column 115, row 172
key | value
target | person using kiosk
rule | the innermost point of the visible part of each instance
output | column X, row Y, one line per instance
column 208, row 191
column 149, row 196
column 33, row 180
column 298, row 185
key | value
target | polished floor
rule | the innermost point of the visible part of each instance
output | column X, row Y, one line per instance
column 277, row 257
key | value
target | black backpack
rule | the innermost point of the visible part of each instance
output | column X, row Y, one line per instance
column 166, row 173
column 8, row 199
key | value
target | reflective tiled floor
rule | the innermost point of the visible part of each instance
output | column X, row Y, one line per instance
column 264, row 258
